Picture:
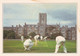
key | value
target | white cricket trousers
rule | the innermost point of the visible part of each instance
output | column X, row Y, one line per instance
column 57, row 48
column 28, row 46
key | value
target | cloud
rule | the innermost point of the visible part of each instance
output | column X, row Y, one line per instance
column 29, row 13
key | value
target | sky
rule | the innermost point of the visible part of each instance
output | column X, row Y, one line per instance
column 18, row 13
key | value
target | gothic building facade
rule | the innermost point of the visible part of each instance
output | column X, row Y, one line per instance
column 43, row 29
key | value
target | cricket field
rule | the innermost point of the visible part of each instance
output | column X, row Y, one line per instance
column 16, row 46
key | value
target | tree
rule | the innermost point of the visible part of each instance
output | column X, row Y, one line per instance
column 5, row 33
column 54, row 35
column 32, row 34
column 9, row 34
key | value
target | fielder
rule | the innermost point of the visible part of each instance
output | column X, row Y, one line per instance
column 45, row 38
column 36, row 39
column 59, row 42
column 41, row 37
column 22, row 38
column 27, row 43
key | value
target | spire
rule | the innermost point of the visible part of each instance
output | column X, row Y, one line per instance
column 16, row 25
column 19, row 25
column 12, row 26
column 59, row 23
column 25, row 24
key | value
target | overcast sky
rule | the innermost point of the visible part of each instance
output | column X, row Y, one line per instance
column 14, row 14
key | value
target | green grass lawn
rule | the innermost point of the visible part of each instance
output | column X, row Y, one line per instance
column 16, row 46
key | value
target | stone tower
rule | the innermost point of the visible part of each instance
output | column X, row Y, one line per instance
column 42, row 23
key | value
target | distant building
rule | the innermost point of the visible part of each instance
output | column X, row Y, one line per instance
column 7, row 28
column 64, row 31
column 71, row 33
column 42, row 23
column 43, row 29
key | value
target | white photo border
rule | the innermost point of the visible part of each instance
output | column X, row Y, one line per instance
column 39, row 54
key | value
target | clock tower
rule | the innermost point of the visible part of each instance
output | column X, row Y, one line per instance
column 42, row 23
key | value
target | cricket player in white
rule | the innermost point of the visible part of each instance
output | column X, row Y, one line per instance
column 41, row 37
column 36, row 39
column 28, row 44
column 45, row 38
column 22, row 38
column 59, row 42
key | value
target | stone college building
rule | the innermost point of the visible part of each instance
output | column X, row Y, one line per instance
column 43, row 29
